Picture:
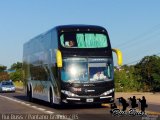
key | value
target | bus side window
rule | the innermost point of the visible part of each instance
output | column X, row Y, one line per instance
column 39, row 73
column 46, row 74
column 55, row 70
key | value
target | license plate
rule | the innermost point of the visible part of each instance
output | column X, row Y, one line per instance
column 89, row 100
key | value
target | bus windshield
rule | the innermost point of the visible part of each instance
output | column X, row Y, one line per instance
column 83, row 70
column 83, row 40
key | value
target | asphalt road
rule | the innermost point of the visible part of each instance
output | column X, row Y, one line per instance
column 15, row 106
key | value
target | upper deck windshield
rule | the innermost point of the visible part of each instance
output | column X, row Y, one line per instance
column 83, row 70
column 83, row 40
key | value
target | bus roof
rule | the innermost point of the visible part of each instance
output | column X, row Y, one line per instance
column 73, row 27
column 80, row 27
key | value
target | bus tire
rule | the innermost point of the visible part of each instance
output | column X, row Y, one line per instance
column 51, row 97
column 52, row 104
column 29, row 94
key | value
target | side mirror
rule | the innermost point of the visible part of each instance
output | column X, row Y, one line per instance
column 59, row 58
column 119, row 56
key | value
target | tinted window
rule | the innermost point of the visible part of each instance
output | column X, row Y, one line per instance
column 83, row 40
column 39, row 73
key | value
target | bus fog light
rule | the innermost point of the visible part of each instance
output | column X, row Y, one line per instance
column 65, row 101
column 112, row 99
column 68, row 93
column 108, row 92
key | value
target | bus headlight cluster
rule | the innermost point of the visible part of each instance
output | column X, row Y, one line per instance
column 68, row 93
column 73, row 70
column 108, row 92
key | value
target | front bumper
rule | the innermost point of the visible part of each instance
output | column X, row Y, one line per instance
column 89, row 100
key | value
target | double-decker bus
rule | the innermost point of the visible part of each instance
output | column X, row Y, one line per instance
column 70, row 64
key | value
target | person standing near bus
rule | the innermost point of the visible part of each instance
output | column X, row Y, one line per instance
column 133, row 102
column 124, row 103
column 143, row 103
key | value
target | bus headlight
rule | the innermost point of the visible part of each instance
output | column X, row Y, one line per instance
column 73, row 70
column 70, row 94
column 108, row 92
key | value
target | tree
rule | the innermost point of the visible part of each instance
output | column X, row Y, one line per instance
column 125, row 79
column 18, row 74
column 16, row 66
column 149, row 70
column 2, row 68
column 144, row 76
column 3, row 75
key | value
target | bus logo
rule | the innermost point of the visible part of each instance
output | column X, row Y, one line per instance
column 85, row 85
column 89, row 90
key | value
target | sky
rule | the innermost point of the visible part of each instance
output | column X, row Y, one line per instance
column 133, row 26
